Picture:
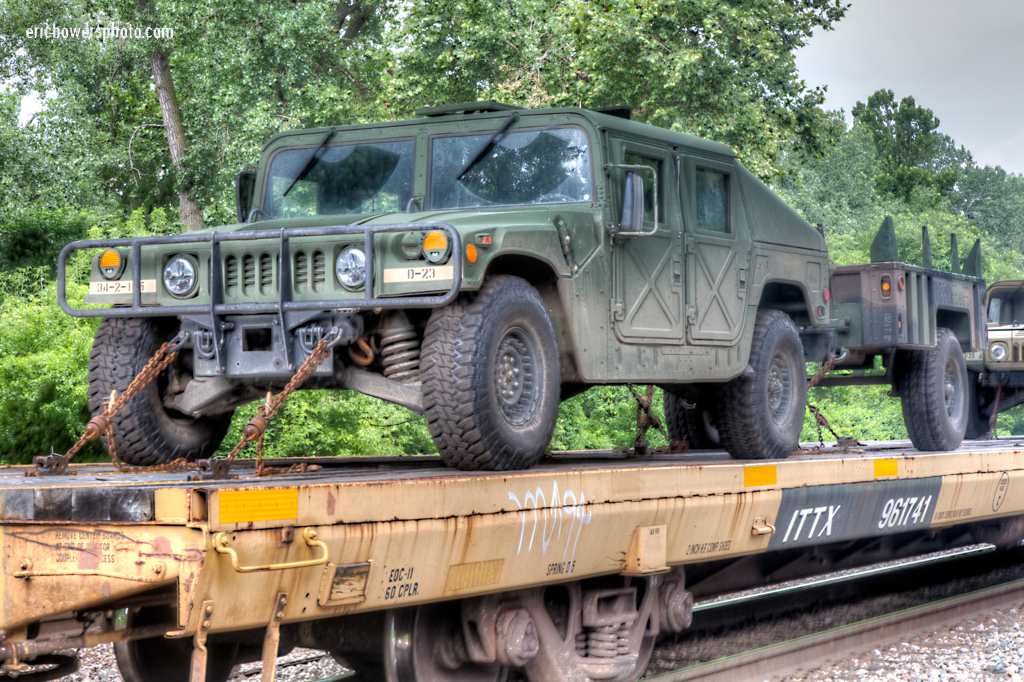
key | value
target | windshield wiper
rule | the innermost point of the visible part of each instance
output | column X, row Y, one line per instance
column 487, row 145
column 310, row 162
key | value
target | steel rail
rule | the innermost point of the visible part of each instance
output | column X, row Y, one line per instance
column 800, row 653
column 842, row 576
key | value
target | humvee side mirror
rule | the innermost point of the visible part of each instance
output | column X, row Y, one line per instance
column 632, row 222
column 245, row 188
column 633, row 204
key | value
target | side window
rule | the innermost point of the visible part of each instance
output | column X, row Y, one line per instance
column 658, row 165
column 712, row 201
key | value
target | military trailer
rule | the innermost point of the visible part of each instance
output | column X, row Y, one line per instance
column 480, row 264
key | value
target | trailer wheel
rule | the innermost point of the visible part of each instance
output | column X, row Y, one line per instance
column 977, row 424
column 145, row 431
column 691, row 422
column 491, row 378
column 935, row 396
column 761, row 412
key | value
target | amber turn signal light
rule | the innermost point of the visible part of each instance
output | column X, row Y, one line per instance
column 435, row 246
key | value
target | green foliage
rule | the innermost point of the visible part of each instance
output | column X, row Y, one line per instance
column 913, row 156
column 44, row 357
column 603, row 418
column 721, row 70
column 313, row 423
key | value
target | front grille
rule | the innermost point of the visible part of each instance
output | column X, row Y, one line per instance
column 255, row 274
column 231, row 276
column 319, row 271
column 266, row 274
column 249, row 275
column 301, row 271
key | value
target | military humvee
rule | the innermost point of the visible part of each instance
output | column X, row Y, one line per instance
column 1004, row 367
column 478, row 265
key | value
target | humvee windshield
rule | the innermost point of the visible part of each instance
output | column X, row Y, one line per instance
column 360, row 177
column 527, row 167
column 1006, row 306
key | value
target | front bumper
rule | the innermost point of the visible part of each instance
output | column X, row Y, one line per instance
column 288, row 312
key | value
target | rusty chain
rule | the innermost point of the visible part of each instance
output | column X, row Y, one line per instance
column 645, row 418
column 819, row 417
column 103, row 423
column 995, row 408
column 256, row 429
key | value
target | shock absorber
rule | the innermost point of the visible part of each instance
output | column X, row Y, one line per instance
column 400, row 353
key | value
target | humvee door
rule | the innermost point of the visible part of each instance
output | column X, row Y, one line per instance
column 717, row 246
column 647, row 300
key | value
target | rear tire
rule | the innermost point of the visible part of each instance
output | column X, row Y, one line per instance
column 693, row 423
column 935, row 395
column 145, row 432
column 491, row 378
column 761, row 412
column 977, row 425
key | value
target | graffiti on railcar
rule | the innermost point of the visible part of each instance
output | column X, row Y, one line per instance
column 559, row 516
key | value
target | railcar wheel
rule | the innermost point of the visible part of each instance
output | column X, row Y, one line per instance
column 761, row 412
column 168, row 660
column 425, row 644
column 146, row 431
column 691, row 422
column 935, row 394
column 491, row 378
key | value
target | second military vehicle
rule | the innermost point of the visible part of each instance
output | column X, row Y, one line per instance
column 481, row 263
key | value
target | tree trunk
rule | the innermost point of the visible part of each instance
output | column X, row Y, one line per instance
column 190, row 211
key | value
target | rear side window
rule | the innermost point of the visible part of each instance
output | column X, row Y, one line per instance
column 712, row 201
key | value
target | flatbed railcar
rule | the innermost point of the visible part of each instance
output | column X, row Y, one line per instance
column 406, row 570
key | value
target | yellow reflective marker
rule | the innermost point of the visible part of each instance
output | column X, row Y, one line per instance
column 885, row 467
column 759, row 475
column 243, row 506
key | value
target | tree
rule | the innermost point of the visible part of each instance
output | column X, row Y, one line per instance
column 913, row 155
column 723, row 70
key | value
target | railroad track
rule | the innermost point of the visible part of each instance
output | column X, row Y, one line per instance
column 807, row 651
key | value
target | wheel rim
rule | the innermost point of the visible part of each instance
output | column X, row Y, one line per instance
column 515, row 376
column 953, row 392
column 780, row 388
column 419, row 645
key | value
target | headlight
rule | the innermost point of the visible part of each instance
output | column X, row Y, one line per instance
column 997, row 351
column 180, row 276
column 351, row 267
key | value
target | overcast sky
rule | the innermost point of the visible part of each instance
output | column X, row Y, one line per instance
column 963, row 59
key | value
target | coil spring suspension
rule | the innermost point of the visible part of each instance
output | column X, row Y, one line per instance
column 400, row 353
column 608, row 641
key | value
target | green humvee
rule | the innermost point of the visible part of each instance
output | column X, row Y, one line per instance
column 477, row 265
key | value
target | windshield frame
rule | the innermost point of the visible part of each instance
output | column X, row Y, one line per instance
column 267, row 184
column 428, row 199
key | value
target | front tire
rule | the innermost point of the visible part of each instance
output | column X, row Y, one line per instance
column 146, row 432
column 935, row 397
column 761, row 412
column 491, row 378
